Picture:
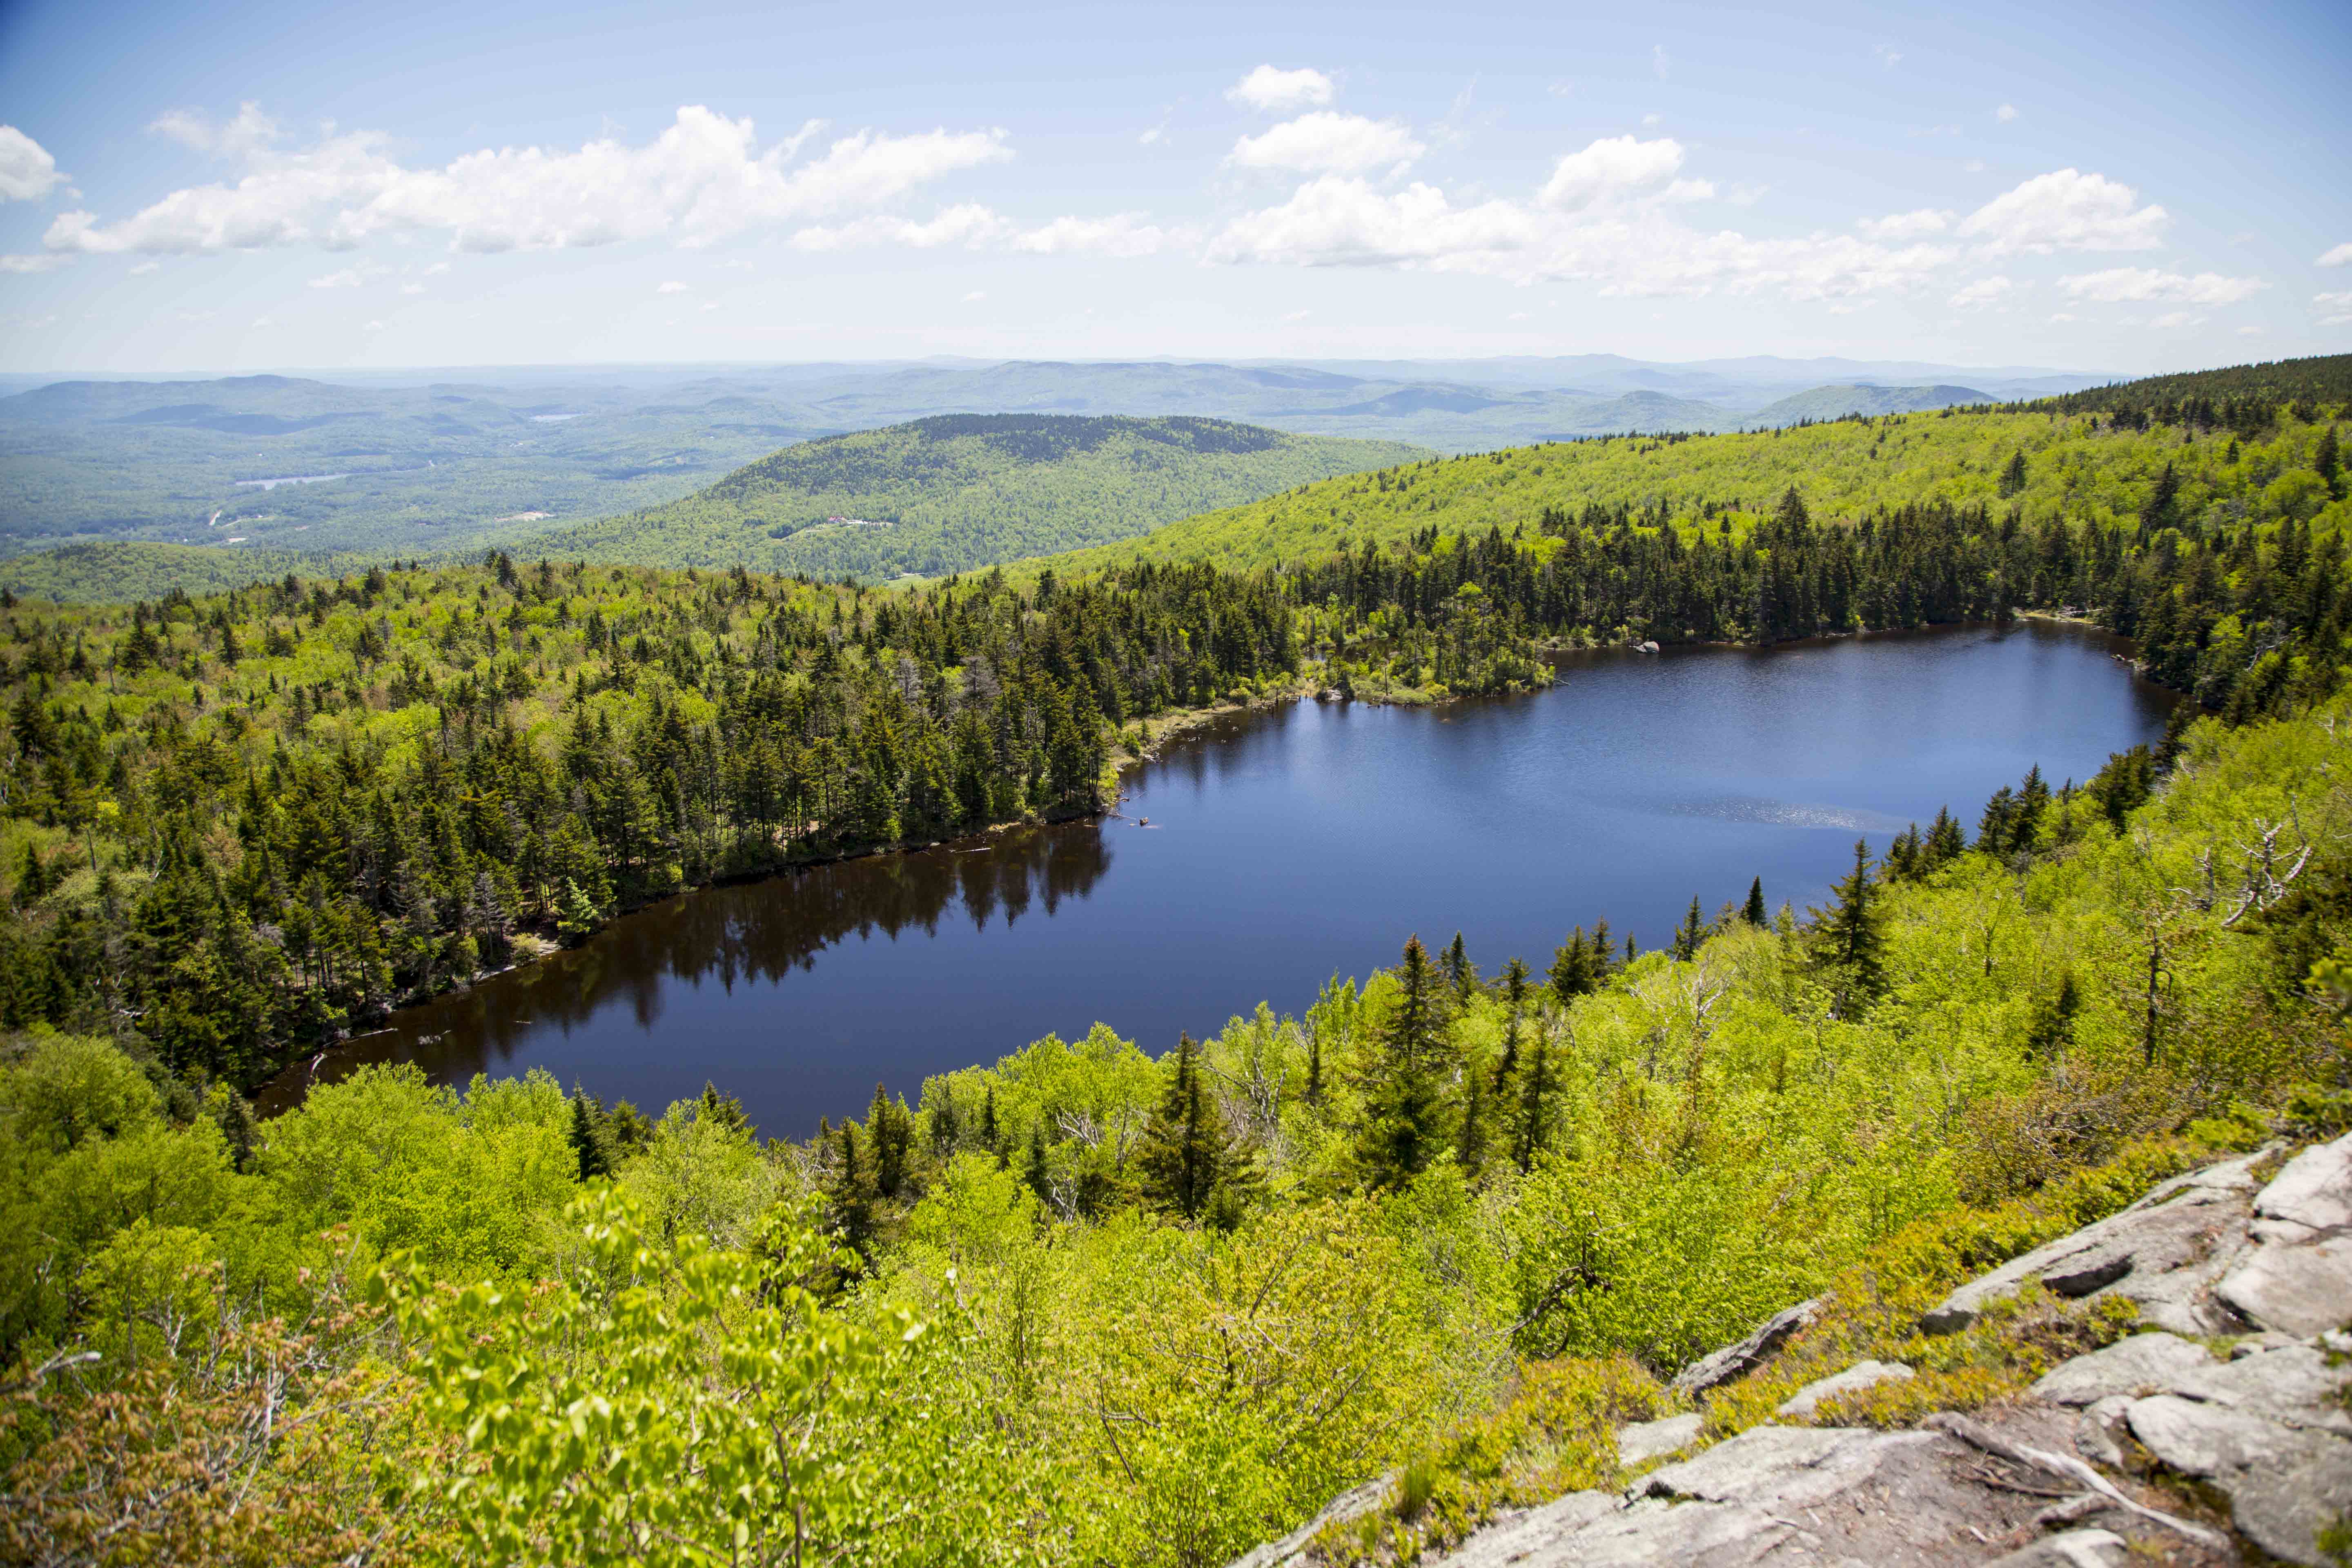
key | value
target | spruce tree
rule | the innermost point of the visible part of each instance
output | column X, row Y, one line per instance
column 2033, row 801
column 1851, row 944
column 1459, row 972
column 589, row 1146
column 991, row 1138
column 1690, row 933
column 1994, row 827
column 1604, row 957
column 1534, row 1117
column 1515, row 997
column 2328, row 462
column 1945, row 843
column 2051, row 1026
column 1571, row 968
column 1186, row 1153
column 1038, row 1176
column 1404, row 1102
column 1470, row 1143
column 1755, row 913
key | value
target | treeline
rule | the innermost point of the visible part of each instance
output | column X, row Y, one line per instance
column 2247, row 399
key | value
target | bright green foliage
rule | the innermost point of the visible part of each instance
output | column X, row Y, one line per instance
column 665, row 1402
column 960, row 492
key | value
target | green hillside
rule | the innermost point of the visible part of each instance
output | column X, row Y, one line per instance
column 1837, row 402
column 117, row 572
column 2085, row 466
column 961, row 490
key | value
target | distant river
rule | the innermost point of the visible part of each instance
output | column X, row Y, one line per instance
column 1291, row 845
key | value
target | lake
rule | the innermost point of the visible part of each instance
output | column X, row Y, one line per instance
column 1289, row 845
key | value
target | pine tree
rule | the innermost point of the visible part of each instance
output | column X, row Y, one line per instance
column 1535, row 1106
column 1515, row 997
column 2033, row 801
column 991, row 1138
column 1690, row 933
column 1851, row 944
column 1186, row 1153
column 1604, row 957
column 891, row 1128
column 1459, row 972
column 1571, row 968
column 724, row 1109
column 1406, row 1099
column 1903, row 856
column 1755, row 913
column 1994, row 827
column 2012, row 477
column 1470, row 1143
column 1944, row 844
column 852, row 1194
column 2328, row 463
column 589, row 1144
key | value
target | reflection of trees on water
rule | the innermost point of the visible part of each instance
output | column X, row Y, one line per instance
column 752, row 934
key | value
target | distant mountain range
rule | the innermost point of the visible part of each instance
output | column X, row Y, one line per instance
column 431, row 463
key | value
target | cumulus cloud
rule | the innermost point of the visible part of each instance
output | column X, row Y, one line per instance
column 1627, row 247
column 2005, row 113
column 2148, row 283
column 1983, row 291
column 2337, row 309
column 1609, row 169
column 28, row 172
column 1326, row 142
column 1905, row 226
column 975, row 295
column 1271, row 90
column 969, row 225
column 2339, row 257
column 1121, row 234
column 703, row 178
column 24, row 264
column 673, row 285
column 251, row 132
column 2066, row 210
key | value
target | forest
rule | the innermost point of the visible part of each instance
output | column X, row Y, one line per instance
column 1091, row 1304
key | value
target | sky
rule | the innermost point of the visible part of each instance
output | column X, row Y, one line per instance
column 330, row 185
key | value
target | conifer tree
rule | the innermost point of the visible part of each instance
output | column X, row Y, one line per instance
column 1459, row 972
column 1604, row 957
column 1754, row 914
column 1404, row 1102
column 853, row 1194
column 991, row 1138
column 1850, row 943
column 2052, row 1027
column 1994, row 827
column 1690, row 933
column 1470, row 1143
column 1571, row 968
column 2328, row 462
column 1186, row 1153
column 1944, row 843
column 589, row 1144
column 1038, row 1176
column 1534, row 1117
column 2033, row 801
column 1515, row 997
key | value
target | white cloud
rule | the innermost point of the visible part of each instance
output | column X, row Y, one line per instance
column 1326, row 142
column 411, row 288
column 2147, row 283
column 1661, row 61
column 1652, row 118
column 1342, row 221
column 975, row 295
column 1974, row 165
column 2177, row 318
column 1888, row 56
column 374, row 327
column 1609, row 169
column 143, row 269
column 2339, row 257
column 967, row 225
column 28, row 172
column 1153, row 135
column 2065, row 316
column 674, row 287
column 1983, row 291
column 2252, row 332
column 1271, row 90
column 1627, row 247
column 2338, row 306
column 1298, row 315
column 25, row 264
column 2066, row 210
column 262, row 322
column 1121, row 234
column 349, row 278
column 251, row 132
column 1905, row 226
column 2005, row 113
column 704, row 178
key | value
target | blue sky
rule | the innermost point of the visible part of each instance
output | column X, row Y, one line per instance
column 335, row 185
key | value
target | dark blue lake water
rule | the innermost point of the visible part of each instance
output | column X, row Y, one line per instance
column 1291, row 845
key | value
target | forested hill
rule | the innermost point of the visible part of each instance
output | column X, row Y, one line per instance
column 2234, row 454
column 951, row 493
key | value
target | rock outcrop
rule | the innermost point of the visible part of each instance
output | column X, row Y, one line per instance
column 2241, row 1384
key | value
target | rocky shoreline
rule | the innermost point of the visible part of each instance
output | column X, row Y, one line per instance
column 2220, row 1431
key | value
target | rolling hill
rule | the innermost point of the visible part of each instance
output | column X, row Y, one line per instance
column 1821, row 403
column 957, row 492
column 2084, row 464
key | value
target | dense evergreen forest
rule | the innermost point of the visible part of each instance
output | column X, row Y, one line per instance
column 1083, row 1305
